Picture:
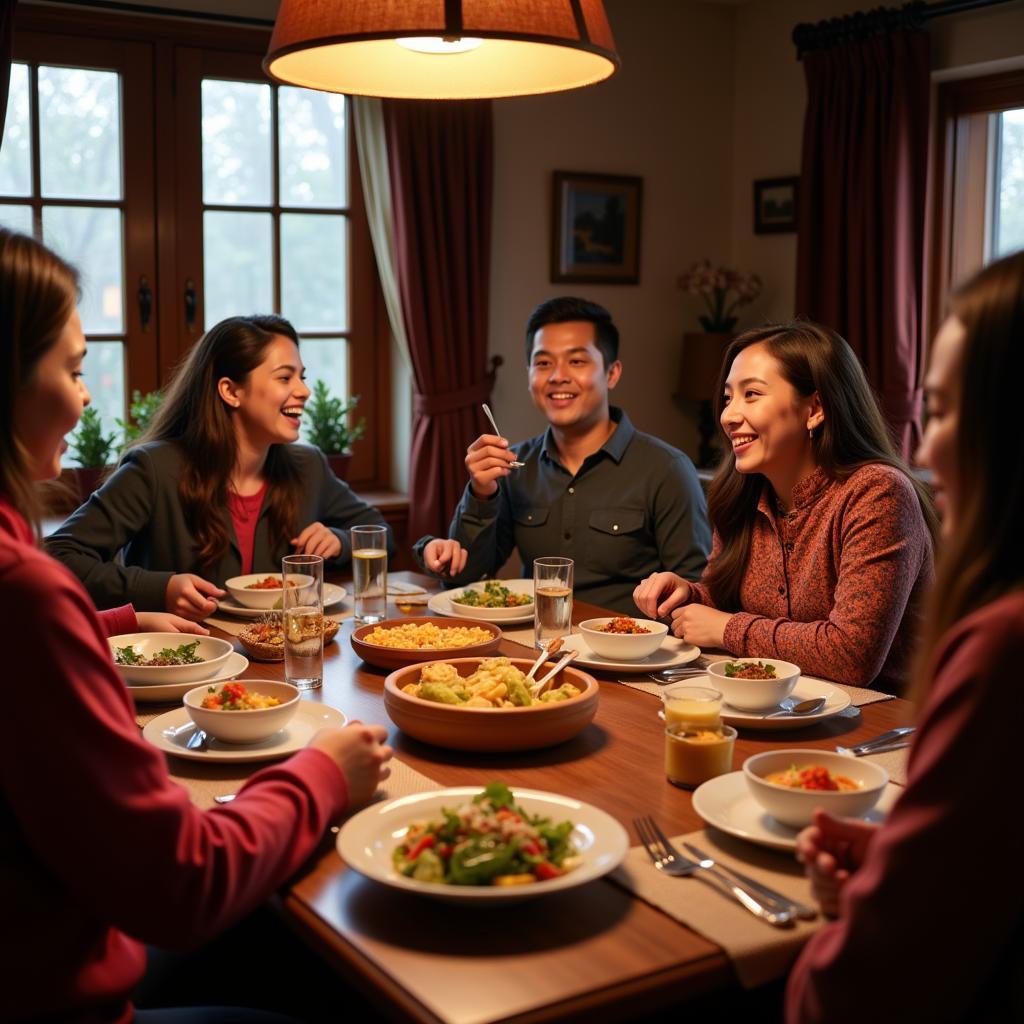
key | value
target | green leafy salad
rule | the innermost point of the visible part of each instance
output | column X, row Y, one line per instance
column 494, row 595
column 488, row 841
column 183, row 655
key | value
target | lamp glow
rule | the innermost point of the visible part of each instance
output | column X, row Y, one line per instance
column 435, row 44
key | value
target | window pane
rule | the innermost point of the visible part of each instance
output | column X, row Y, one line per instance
column 313, row 271
column 238, row 264
column 236, row 143
column 80, row 133
column 104, row 377
column 16, row 148
column 89, row 237
column 326, row 359
column 311, row 130
column 1010, row 185
column 16, row 217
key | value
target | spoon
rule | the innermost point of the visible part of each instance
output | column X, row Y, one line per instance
column 549, row 650
column 805, row 707
column 487, row 413
column 545, row 683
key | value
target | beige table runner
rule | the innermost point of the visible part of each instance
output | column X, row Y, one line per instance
column 894, row 762
column 759, row 951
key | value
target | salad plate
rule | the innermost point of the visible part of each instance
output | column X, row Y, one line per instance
column 727, row 803
column 171, row 732
column 162, row 693
column 445, row 603
column 671, row 653
column 368, row 840
column 333, row 594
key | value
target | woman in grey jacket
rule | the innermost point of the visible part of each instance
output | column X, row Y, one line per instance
column 215, row 487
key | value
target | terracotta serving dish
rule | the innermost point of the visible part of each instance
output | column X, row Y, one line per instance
column 396, row 657
column 490, row 729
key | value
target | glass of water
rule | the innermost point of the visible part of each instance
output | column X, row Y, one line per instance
column 552, row 599
column 370, row 572
column 303, row 608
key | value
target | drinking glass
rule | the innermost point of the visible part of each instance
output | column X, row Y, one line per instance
column 552, row 599
column 699, row 705
column 370, row 573
column 696, row 753
column 302, row 600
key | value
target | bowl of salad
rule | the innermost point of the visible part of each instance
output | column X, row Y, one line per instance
column 242, row 712
column 623, row 638
column 149, row 659
column 491, row 844
column 754, row 684
column 493, row 600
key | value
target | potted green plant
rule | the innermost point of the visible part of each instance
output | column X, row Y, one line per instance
column 141, row 410
column 327, row 427
column 92, row 450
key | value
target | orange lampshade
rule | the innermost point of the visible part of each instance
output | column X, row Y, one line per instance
column 489, row 48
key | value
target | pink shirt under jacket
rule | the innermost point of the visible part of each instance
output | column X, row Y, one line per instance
column 835, row 586
column 100, row 851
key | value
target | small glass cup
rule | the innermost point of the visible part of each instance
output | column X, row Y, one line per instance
column 696, row 753
column 552, row 599
column 302, row 602
column 700, row 705
column 370, row 573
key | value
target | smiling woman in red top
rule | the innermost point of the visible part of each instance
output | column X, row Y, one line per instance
column 823, row 539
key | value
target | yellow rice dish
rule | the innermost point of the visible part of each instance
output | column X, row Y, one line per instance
column 427, row 637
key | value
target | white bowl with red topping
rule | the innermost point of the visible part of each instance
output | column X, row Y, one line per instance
column 245, row 725
column 262, row 589
column 616, row 644
column 754, row 694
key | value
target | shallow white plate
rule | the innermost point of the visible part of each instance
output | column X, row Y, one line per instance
column 672, row 652
column 235, row 665
column 442, row 604
column 332, row 595
column 170, row 733
column 726, row 803
column 836, row 700
column 367, row 840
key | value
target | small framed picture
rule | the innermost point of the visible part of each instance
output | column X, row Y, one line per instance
column 595, row 228
column 775, row 205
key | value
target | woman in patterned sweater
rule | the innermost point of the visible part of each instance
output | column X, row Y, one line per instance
column 823, row 539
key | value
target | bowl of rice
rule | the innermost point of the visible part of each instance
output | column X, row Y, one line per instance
column 397, row 642
column 242, row 712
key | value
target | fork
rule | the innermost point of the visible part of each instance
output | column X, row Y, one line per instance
column 490, row 416
column 669, row 861
column 894, row 739
column 197, row 741
column 668, row 675
column 802, row 911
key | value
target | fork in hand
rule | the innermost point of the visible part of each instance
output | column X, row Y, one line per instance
column 669, row 861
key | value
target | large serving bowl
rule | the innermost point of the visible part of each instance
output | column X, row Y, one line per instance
column 795, row 807
column 514, row 614
column 213, row 651
column 490, row 729
column 623, row 646
column 244, row 726
column 754, row 694
column 396, row 657
column 239, row 588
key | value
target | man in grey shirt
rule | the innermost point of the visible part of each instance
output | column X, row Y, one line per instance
column 620, row 503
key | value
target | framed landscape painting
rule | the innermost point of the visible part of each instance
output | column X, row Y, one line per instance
column 595, row 228
column 775, row 205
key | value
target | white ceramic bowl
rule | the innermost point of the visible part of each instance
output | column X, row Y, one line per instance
column 795, row 807
column 244, row 726
column 214, row 652
column 623, row 646
column 754, row 694
column 238, row 587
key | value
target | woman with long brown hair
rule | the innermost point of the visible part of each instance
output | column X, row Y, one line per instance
column 215, row 488
column 895, row 889
column 101, row 851
column 822, row 538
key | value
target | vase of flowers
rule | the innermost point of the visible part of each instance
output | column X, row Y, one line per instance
column 722, row 290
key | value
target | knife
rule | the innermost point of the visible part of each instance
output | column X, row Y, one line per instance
column 891, row 740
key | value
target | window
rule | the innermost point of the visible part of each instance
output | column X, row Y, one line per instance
column 187, row 188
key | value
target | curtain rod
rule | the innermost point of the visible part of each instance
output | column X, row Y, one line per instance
column 864, row 24
column 161, row 12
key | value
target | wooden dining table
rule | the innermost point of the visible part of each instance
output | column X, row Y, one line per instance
column 591, row 949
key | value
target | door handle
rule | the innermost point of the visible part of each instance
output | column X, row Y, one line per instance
column 190, row 304
column 145, row 302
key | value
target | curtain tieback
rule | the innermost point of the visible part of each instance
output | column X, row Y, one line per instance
column 451, row 401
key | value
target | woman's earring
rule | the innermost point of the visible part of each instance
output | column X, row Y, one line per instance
column 810, row 433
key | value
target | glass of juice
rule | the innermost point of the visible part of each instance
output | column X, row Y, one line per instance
column 695, row 753
column 701, row 705
column 370, row 573
column 302, row 602
column 552, row 599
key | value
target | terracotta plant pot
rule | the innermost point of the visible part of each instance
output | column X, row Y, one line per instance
column 339, row 464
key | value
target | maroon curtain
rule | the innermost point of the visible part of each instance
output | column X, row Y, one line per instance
column 6, row 51
column 862, row 207
column 440, row 158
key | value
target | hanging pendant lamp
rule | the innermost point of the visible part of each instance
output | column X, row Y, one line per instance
column 441, row 49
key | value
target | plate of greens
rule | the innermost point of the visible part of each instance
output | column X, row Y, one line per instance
column 148, row 659
column 496, row 601
column 491, row 844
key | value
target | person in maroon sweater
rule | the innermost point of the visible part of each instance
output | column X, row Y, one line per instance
column 931, row 911
column 822, row 548
column 100, row 851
